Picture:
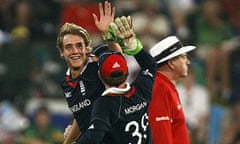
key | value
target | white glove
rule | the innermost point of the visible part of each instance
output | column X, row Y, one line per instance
column 123, row 30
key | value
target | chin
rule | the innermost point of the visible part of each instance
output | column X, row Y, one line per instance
column 75, row 68
column 184, row 75
column 76, row 65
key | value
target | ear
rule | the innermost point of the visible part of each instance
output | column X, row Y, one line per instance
column 61, row 54
column 170, row 64
column 88, row 49
column 99, row 75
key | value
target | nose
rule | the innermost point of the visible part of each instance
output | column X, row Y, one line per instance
column 76, row 49
column 188, row 61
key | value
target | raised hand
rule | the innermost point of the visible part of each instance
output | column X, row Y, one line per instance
column 106, row 16
column 122, row 27
column 122, row 31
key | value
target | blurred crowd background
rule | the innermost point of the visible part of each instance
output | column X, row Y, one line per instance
column 32, row 107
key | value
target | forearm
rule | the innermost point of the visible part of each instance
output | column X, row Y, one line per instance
column 146, row 61
column 96, row 132
column 114, row 46
column 91, row 137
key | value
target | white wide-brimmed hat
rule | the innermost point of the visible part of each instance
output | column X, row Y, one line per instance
column 169, row 48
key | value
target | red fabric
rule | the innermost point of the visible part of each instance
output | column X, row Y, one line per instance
column 132, row 91
column 231, row 8
column 72, row 84
column 166, row 114
column 80, row 15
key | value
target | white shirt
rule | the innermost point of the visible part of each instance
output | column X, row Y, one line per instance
column 195, row 102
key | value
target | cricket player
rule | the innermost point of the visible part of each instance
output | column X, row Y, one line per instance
column 81, row 85
column 121, row 110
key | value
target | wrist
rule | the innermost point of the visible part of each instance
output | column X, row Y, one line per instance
column 109, row 35
column 136, row 49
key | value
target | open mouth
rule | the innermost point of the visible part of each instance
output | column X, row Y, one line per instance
column 75, row 57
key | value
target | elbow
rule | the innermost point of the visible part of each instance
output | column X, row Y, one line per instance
column 97, row 137
column 91, row 137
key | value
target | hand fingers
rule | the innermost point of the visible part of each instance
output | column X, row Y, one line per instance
column 95, row 18
column 113, row 13
column 120, row 25
column 125, row 22
column 129, row 18
column 124, row 27
column 107, row 8
column 116, row 30
column 130, row 33
column 100, row 8
column 118, row 22
column 67, row 131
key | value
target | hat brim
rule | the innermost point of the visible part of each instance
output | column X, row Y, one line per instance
column 182, row 50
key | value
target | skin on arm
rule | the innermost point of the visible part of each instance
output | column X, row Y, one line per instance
column 106, row 16
column 72, row 134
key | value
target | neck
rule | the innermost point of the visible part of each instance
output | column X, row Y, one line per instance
column 169, row 74
column 75, row 73
column 123, row 85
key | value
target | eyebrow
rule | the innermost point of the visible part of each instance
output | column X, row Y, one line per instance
column 69, row 44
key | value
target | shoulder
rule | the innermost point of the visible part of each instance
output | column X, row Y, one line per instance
column 102, row 108
column 92, row 67
column 91, row 71
column 105, row 100
column 106, row 103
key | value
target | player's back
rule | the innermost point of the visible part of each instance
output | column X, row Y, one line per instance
column 128, row 117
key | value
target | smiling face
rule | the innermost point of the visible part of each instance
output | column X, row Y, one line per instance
column 74, row 52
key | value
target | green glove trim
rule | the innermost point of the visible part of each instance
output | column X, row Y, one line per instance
column 134, row 51
column 109, row 36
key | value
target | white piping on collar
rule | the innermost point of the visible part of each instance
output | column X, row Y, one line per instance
column 114, row 90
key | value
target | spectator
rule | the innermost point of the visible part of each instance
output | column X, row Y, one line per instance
column 210, row 32
column 126, row 7
column 15, row 82
column 196, row 106
column 21, row 30
column 42, row 130
column 230, row 7
column 150, row 24
column 45, row 19
column 7, row 15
